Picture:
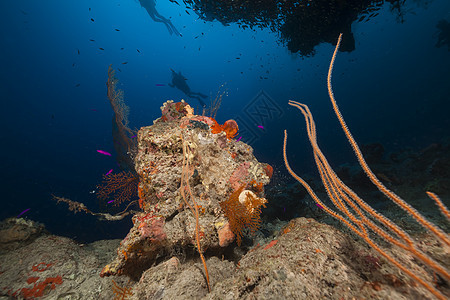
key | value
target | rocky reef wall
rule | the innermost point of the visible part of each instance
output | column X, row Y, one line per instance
column 226, row 185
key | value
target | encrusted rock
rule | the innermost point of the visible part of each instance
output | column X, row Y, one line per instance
column 17, row 232
column 220, row 166
column 226, row 236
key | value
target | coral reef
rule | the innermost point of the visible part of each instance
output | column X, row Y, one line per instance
column 218, row 167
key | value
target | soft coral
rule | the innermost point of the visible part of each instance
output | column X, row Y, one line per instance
column 230, row 127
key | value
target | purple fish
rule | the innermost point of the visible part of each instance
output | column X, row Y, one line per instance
column 109, row 172
column 239, row 139
column 110, row 201
column 160, row 84
column 93, row 109
column 104, row 152
column 134, row 136
column 260, row 126
column 19, row 215
column 320, row 206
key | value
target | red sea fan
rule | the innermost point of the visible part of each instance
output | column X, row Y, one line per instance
column 120, row 187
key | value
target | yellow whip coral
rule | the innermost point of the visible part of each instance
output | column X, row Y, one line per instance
column 359, row 216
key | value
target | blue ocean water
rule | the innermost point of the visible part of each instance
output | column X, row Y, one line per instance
column 392, row 88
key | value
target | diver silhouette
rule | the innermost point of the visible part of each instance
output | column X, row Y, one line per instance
column 179, row 81
column 150, row 7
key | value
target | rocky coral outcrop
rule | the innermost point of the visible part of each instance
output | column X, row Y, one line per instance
column 220, row 165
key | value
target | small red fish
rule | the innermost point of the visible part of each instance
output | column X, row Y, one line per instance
column 104, row 152
column 271, row 244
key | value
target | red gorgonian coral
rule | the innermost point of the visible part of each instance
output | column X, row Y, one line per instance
column 122, row 186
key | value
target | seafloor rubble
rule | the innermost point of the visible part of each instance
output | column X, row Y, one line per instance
column 302, row 260
column 37, row 265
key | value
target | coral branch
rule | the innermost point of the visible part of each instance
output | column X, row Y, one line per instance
column 77, row 206
column 124, row 143
column 185, row 174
